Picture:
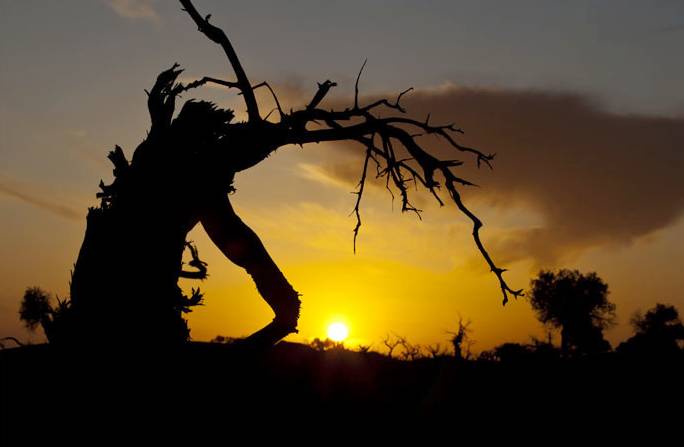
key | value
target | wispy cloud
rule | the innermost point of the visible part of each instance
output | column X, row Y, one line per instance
column 39, row 202
column 324, row 176
column 134, row 9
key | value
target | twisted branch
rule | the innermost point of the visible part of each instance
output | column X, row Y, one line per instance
column 196, row 262
column 359, row 193
column 396, row 170
column 217, row 35
column 394, row 132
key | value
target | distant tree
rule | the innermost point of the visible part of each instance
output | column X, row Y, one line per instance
column 658, row 332
column 577, row 305
column 364, row 349
column 325, row 345
column 461, row 341
column 36, row 309
column 391, row 343
column 410, row 351
column 435, row 351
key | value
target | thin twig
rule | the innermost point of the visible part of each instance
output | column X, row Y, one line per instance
column 356, row 86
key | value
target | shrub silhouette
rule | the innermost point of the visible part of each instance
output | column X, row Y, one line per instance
column 659, row 332
column 326, row 344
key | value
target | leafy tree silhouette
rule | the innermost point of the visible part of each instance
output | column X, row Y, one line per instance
column 659, row 332
column 578, row 305
column 125, row 281
column 36, row 309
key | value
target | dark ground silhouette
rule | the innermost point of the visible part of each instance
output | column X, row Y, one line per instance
column 160, row 390
column 214, row 387
column 119, row 359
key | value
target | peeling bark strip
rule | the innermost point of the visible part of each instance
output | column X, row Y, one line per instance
column 125, row 282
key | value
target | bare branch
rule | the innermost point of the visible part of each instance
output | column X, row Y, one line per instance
column 275, row 98
column 197, row 263
column 410, row 351
column 385, row 102
column 356, row 86
column 217, row 35
column 391, row 344
column 395, row 169
column 477, row 224
column 435, row 351
column 200, row 82
column 161, row 99
column 359, row 193
column 323, row 90
column 421, row 167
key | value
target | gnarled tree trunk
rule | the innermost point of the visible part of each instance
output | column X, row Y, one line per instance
column 125, row 281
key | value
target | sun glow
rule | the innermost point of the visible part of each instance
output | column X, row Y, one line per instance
column 338, row 332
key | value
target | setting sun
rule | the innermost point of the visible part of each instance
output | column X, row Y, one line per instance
column 338, row 332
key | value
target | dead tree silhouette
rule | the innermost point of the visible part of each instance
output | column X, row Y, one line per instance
column 125, row 281
column 461, row 341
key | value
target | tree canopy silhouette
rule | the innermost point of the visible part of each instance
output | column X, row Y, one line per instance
column 658, row 332
column 37, row 309
column 578, row 305
column 125, row 280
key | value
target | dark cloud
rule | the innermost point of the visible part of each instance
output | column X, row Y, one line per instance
column 596, row 178
column 30, row 198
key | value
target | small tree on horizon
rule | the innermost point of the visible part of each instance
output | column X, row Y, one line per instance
column 461, row 340
column 37, row 310
column 576, row 304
